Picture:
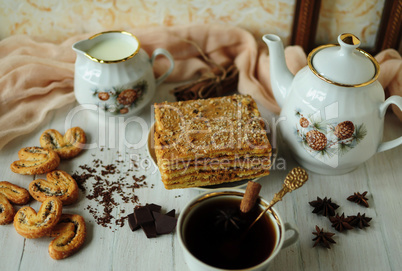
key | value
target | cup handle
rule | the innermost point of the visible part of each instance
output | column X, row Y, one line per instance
column 396, row 100
column 293, row 238
column 160, row 51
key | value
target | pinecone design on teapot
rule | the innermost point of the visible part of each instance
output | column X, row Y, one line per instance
column 328, row 138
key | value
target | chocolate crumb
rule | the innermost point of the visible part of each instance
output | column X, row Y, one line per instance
column 120, row 221
column 108, row 193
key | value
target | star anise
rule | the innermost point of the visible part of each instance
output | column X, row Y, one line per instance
column 359, row 198
column 360, row 221
column 323, row 238
column 340, row 223
column 228, row 220
column 324, row 206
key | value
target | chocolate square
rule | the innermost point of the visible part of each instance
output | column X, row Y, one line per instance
column 132, row 222
column 143, row 215
column 164, row 224
column 149, row 229
column 154, row 207
column 171, row 213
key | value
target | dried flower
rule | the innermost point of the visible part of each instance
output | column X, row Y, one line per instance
column 219, row 80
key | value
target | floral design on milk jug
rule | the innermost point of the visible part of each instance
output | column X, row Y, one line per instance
column 120, row 100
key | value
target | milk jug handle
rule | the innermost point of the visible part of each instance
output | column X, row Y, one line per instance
column 396, row 100
column 160, row 51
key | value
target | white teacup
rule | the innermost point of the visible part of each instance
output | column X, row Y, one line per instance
column 186, row 215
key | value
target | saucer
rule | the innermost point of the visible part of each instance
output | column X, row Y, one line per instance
column 237, row 184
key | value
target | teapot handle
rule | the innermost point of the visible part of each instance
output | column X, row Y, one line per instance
column 160, row 51
column 396, row 100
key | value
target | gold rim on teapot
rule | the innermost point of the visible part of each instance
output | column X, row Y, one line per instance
column 372, row 59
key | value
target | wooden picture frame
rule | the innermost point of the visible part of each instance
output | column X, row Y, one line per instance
column 390, row 30
column 305, row 24
column 306, row 21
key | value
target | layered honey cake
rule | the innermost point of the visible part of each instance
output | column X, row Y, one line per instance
column 211, row 141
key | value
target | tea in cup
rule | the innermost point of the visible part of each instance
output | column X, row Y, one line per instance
column 215, row 235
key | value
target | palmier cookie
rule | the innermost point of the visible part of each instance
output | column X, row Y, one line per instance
column 70, row 234
column 35, row 160
column 67, row 146
column 30, row 224
column 57, row 184
column 6, row 211
column 10, row 193
column 14, row 193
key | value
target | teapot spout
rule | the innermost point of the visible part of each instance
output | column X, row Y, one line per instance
column 281, row 77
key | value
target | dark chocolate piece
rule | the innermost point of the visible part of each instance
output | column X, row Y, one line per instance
column 132, row 222
column 171, row 213
column 154, row 207
column 152, row 222
column 149, row 229
column 164, row 224
column 143, row 215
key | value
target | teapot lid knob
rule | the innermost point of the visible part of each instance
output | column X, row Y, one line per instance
column 347, row 39
column 344, row 65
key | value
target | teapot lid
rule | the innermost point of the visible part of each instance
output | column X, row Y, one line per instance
column 344, row 64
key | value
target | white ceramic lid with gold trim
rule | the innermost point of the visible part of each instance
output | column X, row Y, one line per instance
column 344, row 64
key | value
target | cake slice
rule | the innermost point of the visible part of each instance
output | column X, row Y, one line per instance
column 205, row 142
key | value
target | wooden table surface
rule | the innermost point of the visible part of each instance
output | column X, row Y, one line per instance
column 377, row 247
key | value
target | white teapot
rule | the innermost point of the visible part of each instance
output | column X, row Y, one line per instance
column 114, row 73
column 332, row 111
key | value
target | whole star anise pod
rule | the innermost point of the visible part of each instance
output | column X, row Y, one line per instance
column 360, row 221
column 324, row 206
column 359, row 198
column 323, row 238
column 340, row 223
column 227, row 220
